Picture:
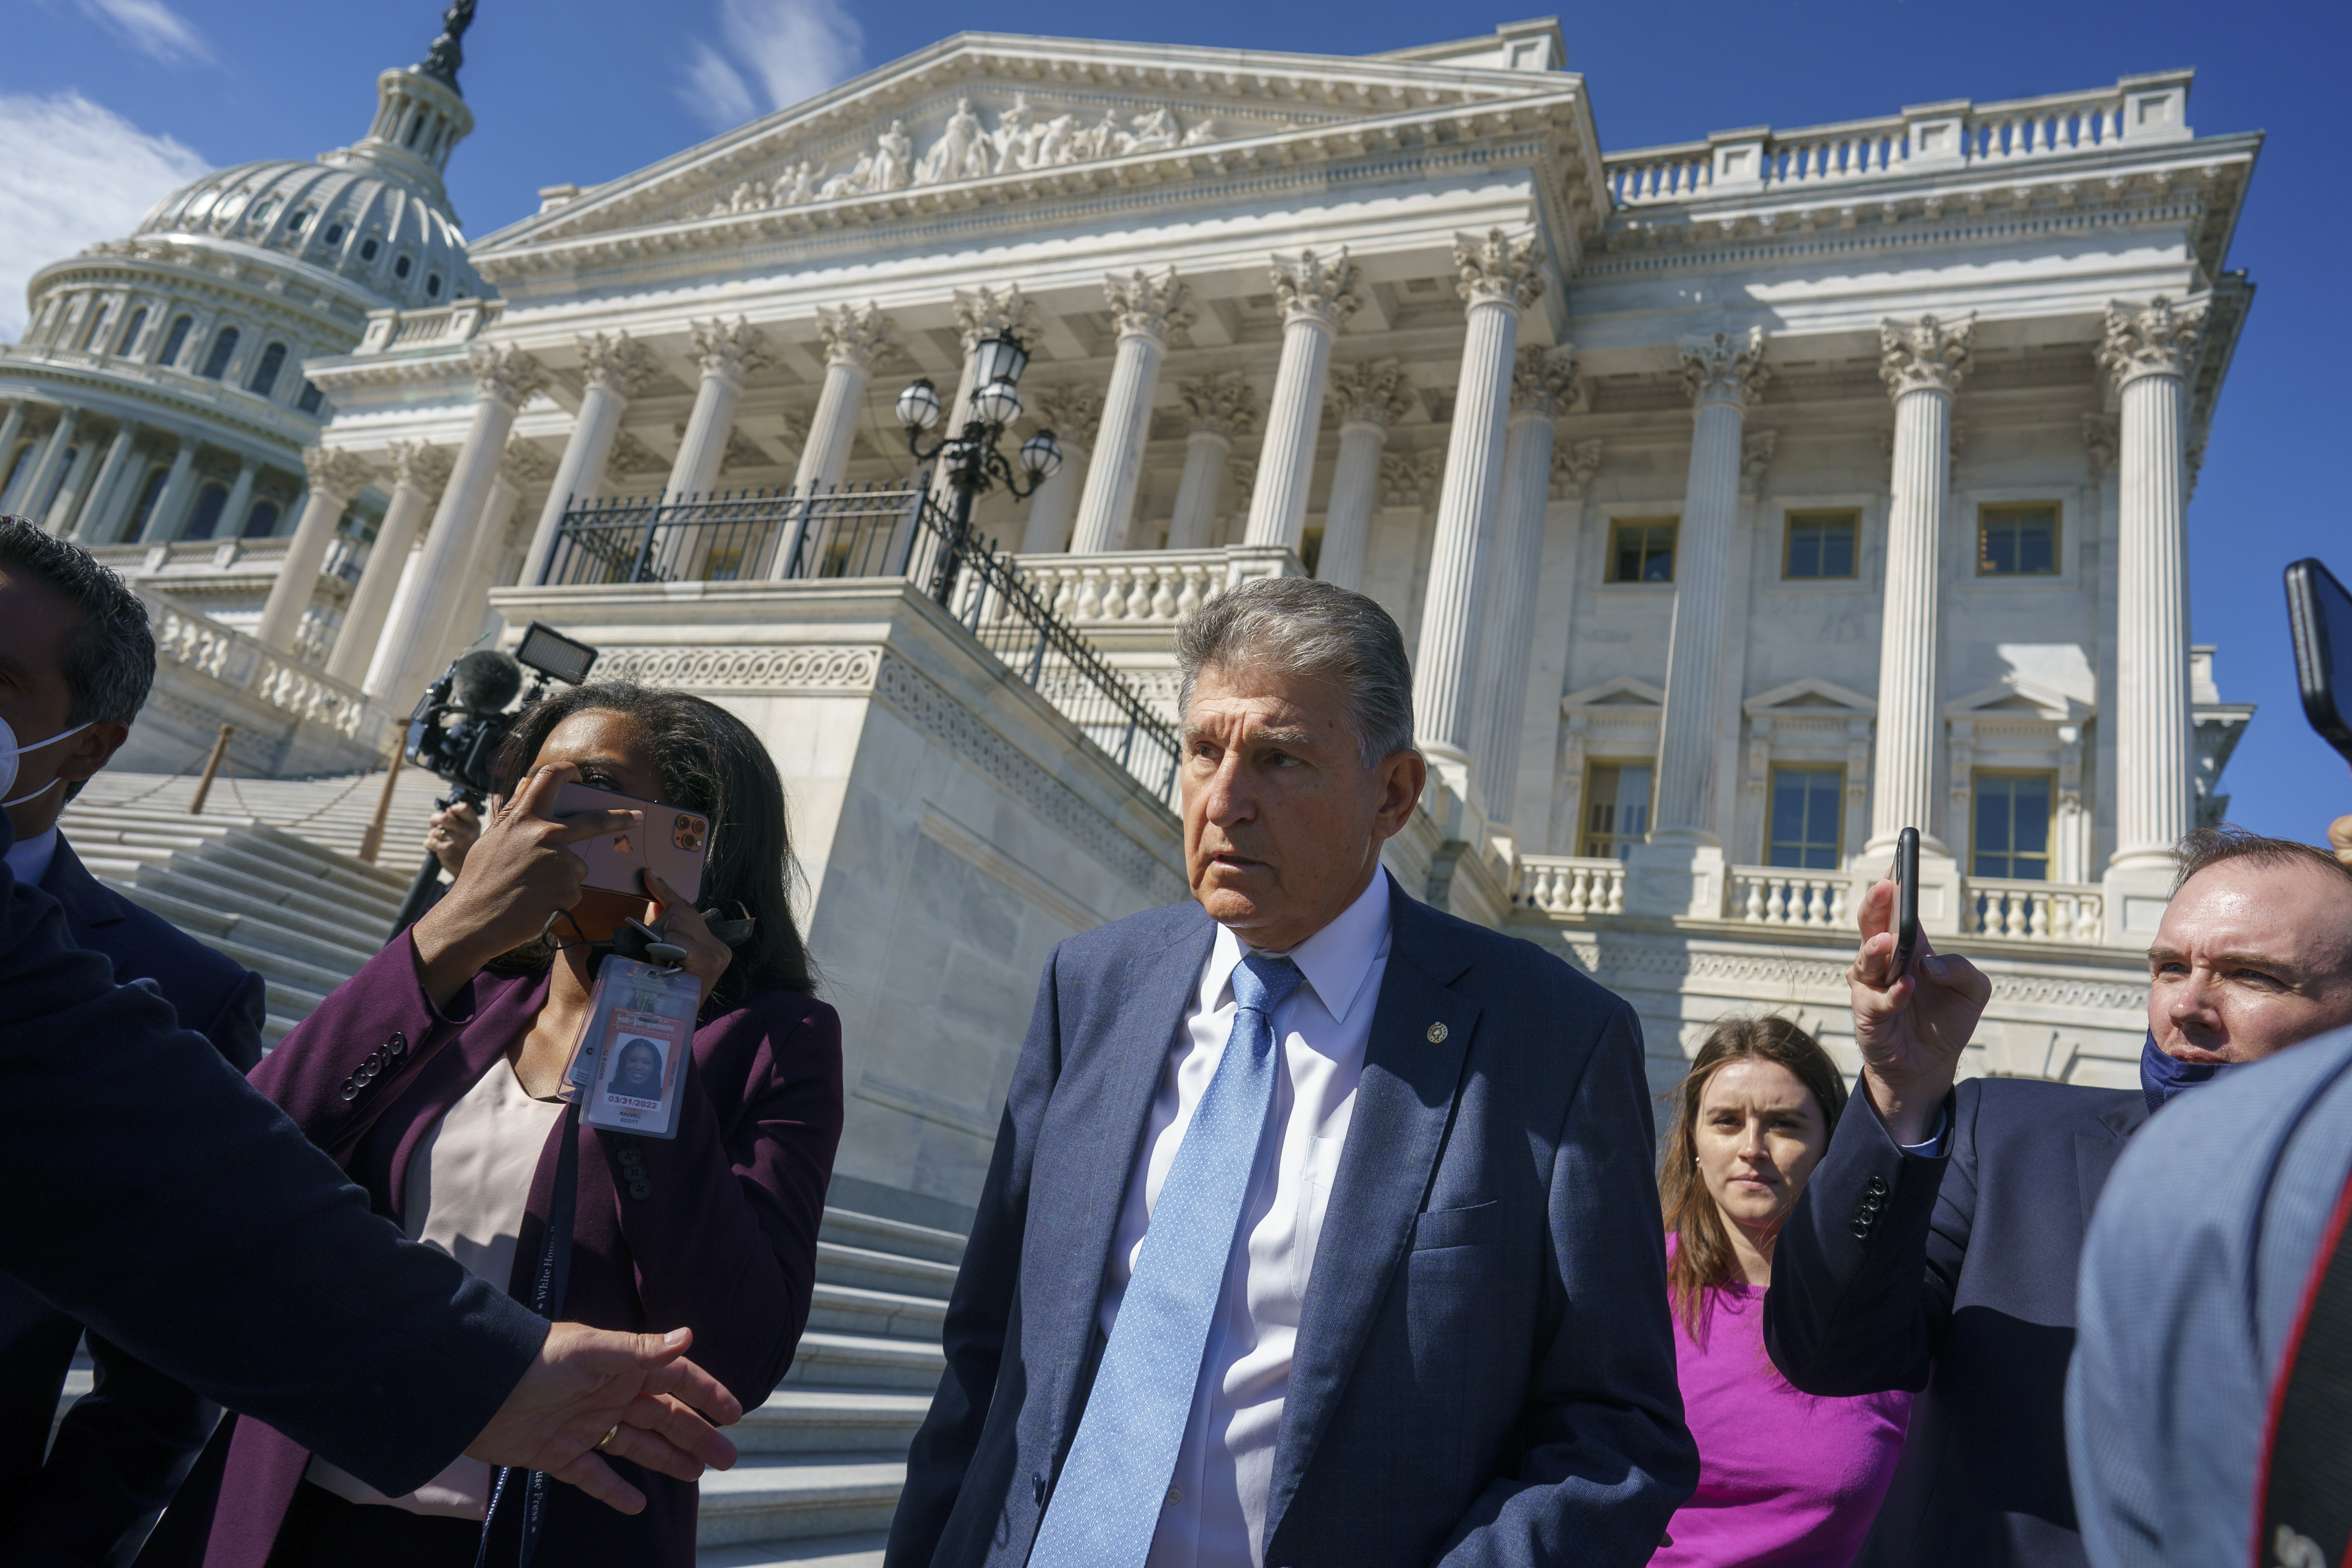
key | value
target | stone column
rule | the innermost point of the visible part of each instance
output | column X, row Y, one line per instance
column 1315, row 298
column 1223, row 405
column 1500, row 277
column 336, row 475
column 240, row 499
column 615, row 369
column 521, row 465
column 1366, row 398
column 1543, row 387
column 504, row 379
column 1922, row 363
column 855, row 343
column 728, row 353
column 1680, row 871
column 418, row 472
column 76, row 486
column 92, row 526
column 11, row 428
column 33, row 495
column 172, row 500
column 1073, row 411
column 2148, row 352
column 1147, row 311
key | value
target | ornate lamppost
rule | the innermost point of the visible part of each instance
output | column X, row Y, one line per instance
column 974, row 465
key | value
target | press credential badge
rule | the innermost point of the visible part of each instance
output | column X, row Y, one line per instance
column 630, row 1062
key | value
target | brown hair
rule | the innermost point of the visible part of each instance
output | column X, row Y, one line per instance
column 2208, row 846
column 1703, row 1257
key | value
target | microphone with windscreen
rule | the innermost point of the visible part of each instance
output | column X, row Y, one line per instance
column 485, row 680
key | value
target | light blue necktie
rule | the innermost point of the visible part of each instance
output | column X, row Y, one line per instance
column 1106, row 1508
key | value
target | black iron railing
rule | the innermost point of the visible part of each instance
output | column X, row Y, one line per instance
column 879, row 531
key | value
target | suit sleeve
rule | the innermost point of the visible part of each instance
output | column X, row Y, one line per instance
column 1864, row 1276
column 981, row 1308
column 180, row 1215
column 236, row 1031
column 1608, row 1459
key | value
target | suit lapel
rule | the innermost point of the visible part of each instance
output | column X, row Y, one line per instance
column 2096, row 1153
column 86, row 900
column 1404, row 1103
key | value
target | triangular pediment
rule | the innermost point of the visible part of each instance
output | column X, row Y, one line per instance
column 982, row 119
column 2020, row 697
column 1624, row 692
column 1809, row 695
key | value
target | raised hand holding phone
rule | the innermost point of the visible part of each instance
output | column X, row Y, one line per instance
column 1910, row 1023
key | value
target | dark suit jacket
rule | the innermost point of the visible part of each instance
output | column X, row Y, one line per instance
column 1485, row 1367
column 1956, row 1277
column 161, row 1201
column 123, row 1449
column 718, row 1235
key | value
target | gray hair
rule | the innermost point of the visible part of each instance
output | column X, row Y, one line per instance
column 1298, row 627
column 110, row 662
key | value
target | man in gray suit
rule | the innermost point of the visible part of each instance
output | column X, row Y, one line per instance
column 1321, row 1228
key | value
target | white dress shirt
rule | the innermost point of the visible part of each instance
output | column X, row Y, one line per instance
column 1216, row 1515
column 28, row 859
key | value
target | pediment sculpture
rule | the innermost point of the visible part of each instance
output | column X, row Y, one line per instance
column 1023, row 140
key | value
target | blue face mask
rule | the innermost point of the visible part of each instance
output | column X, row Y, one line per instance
column 2162, row 1077
column 10, row 751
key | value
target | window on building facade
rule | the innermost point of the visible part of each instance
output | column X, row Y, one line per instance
column 262, row 209
column 1820, row 544
column 265, row 374
column 16, row 468
column 1616, row 808
column 312, row 397
column 2012, row 825
column 368, row 248
column 400, row 268
column 432, row 285
column 334, row 235
column 223, row 349
column 262, row 521
column 64, row 472
column 176, row 340
column 130, row 338
column 90, row 339
column 206, row 517
column 1805, row 828
column 149, row 494
column 2018, row 541
column 1642, row 550
column 294, row 225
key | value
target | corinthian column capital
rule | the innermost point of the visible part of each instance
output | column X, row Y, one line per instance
column 855, row 336
column 1309, row 288
column 424, row 467
column 522, row 464
column 1544, row 380
column 1072, row 410
column 1370, row 392
column 984, row 311
column 2160, row 338
column 1498, row 267
column 1226, row 404
column 504, row 373
column 730, row 349
column 1573, row 467
column 1726, row 369
column 336, row 472
column 1148, row 307
column 617, row 363
column 1925, row 353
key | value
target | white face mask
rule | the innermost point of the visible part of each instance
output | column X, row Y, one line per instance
column 10, row 751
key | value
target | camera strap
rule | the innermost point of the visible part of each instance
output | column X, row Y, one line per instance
column 547, row 1284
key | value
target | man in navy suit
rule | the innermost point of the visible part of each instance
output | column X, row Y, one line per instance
column 1321, row 1228
column 76, row 640
column 1937, row 1245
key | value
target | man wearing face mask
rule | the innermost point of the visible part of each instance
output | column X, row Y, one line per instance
column 76, row 660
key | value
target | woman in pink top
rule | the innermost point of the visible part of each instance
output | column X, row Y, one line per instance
column 1786, row 1480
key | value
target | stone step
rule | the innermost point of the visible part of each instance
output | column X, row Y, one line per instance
column 275, row 847
column 310, row 946
column 829, row 1358
column 871, row 1269
column 863, row 1549
column 806, row 1420
column 326, row 811
column 879, row 1234
column 885, row 1314
column 228, row 875
column 222, row 932
column 784, row 1497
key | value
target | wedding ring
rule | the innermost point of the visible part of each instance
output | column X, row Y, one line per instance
column 609, row 1435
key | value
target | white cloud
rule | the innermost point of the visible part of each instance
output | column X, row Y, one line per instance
column 152, row 28
column 76, row 173
column 771, row 53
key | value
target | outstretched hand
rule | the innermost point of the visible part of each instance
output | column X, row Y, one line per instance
column 588, row 1381
column 1911, row 1030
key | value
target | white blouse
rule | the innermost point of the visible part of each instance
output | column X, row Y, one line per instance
column 469, row 1185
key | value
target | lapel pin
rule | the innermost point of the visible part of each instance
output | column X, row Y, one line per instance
column 1437, row 1033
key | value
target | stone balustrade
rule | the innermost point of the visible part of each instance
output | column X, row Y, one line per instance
column 1145, row 587
column 2067, row 912
column 1779, row 896
column 458, row 322
column 1570, row 885
column 197, row 641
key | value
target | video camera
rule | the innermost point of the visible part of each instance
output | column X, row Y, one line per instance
column 465, row 717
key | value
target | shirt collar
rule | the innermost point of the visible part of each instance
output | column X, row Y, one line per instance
column 28, row 859
column 1334, row 961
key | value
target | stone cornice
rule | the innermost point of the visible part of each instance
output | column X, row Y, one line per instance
column 186, row 269
column 179, row 403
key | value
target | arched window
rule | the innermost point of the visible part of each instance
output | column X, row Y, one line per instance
column 130, row 338
column 416, row 128
column 432, row 286
column 217, row 362
column 312, row 397
column 294, row 225
column 149, row 494
column 262, row 209
column 265, row 374
column 368, row 248
column 262, row 521
column 90, row 339
column 176, row 340
column 334, row 235
column 207, row 516
column 400, row 268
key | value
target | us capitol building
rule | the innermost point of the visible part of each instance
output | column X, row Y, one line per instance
column 1742, row 500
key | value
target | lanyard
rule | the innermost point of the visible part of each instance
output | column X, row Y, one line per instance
column 547, row 1284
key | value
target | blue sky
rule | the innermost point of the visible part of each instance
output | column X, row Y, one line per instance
column 105, row 104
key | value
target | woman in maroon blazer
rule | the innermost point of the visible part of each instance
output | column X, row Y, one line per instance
column 431, row 1076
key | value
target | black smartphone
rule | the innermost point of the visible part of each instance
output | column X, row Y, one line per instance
column 2319, row 616
column 1907, row 902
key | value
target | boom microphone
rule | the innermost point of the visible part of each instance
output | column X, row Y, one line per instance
column 485, row 680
